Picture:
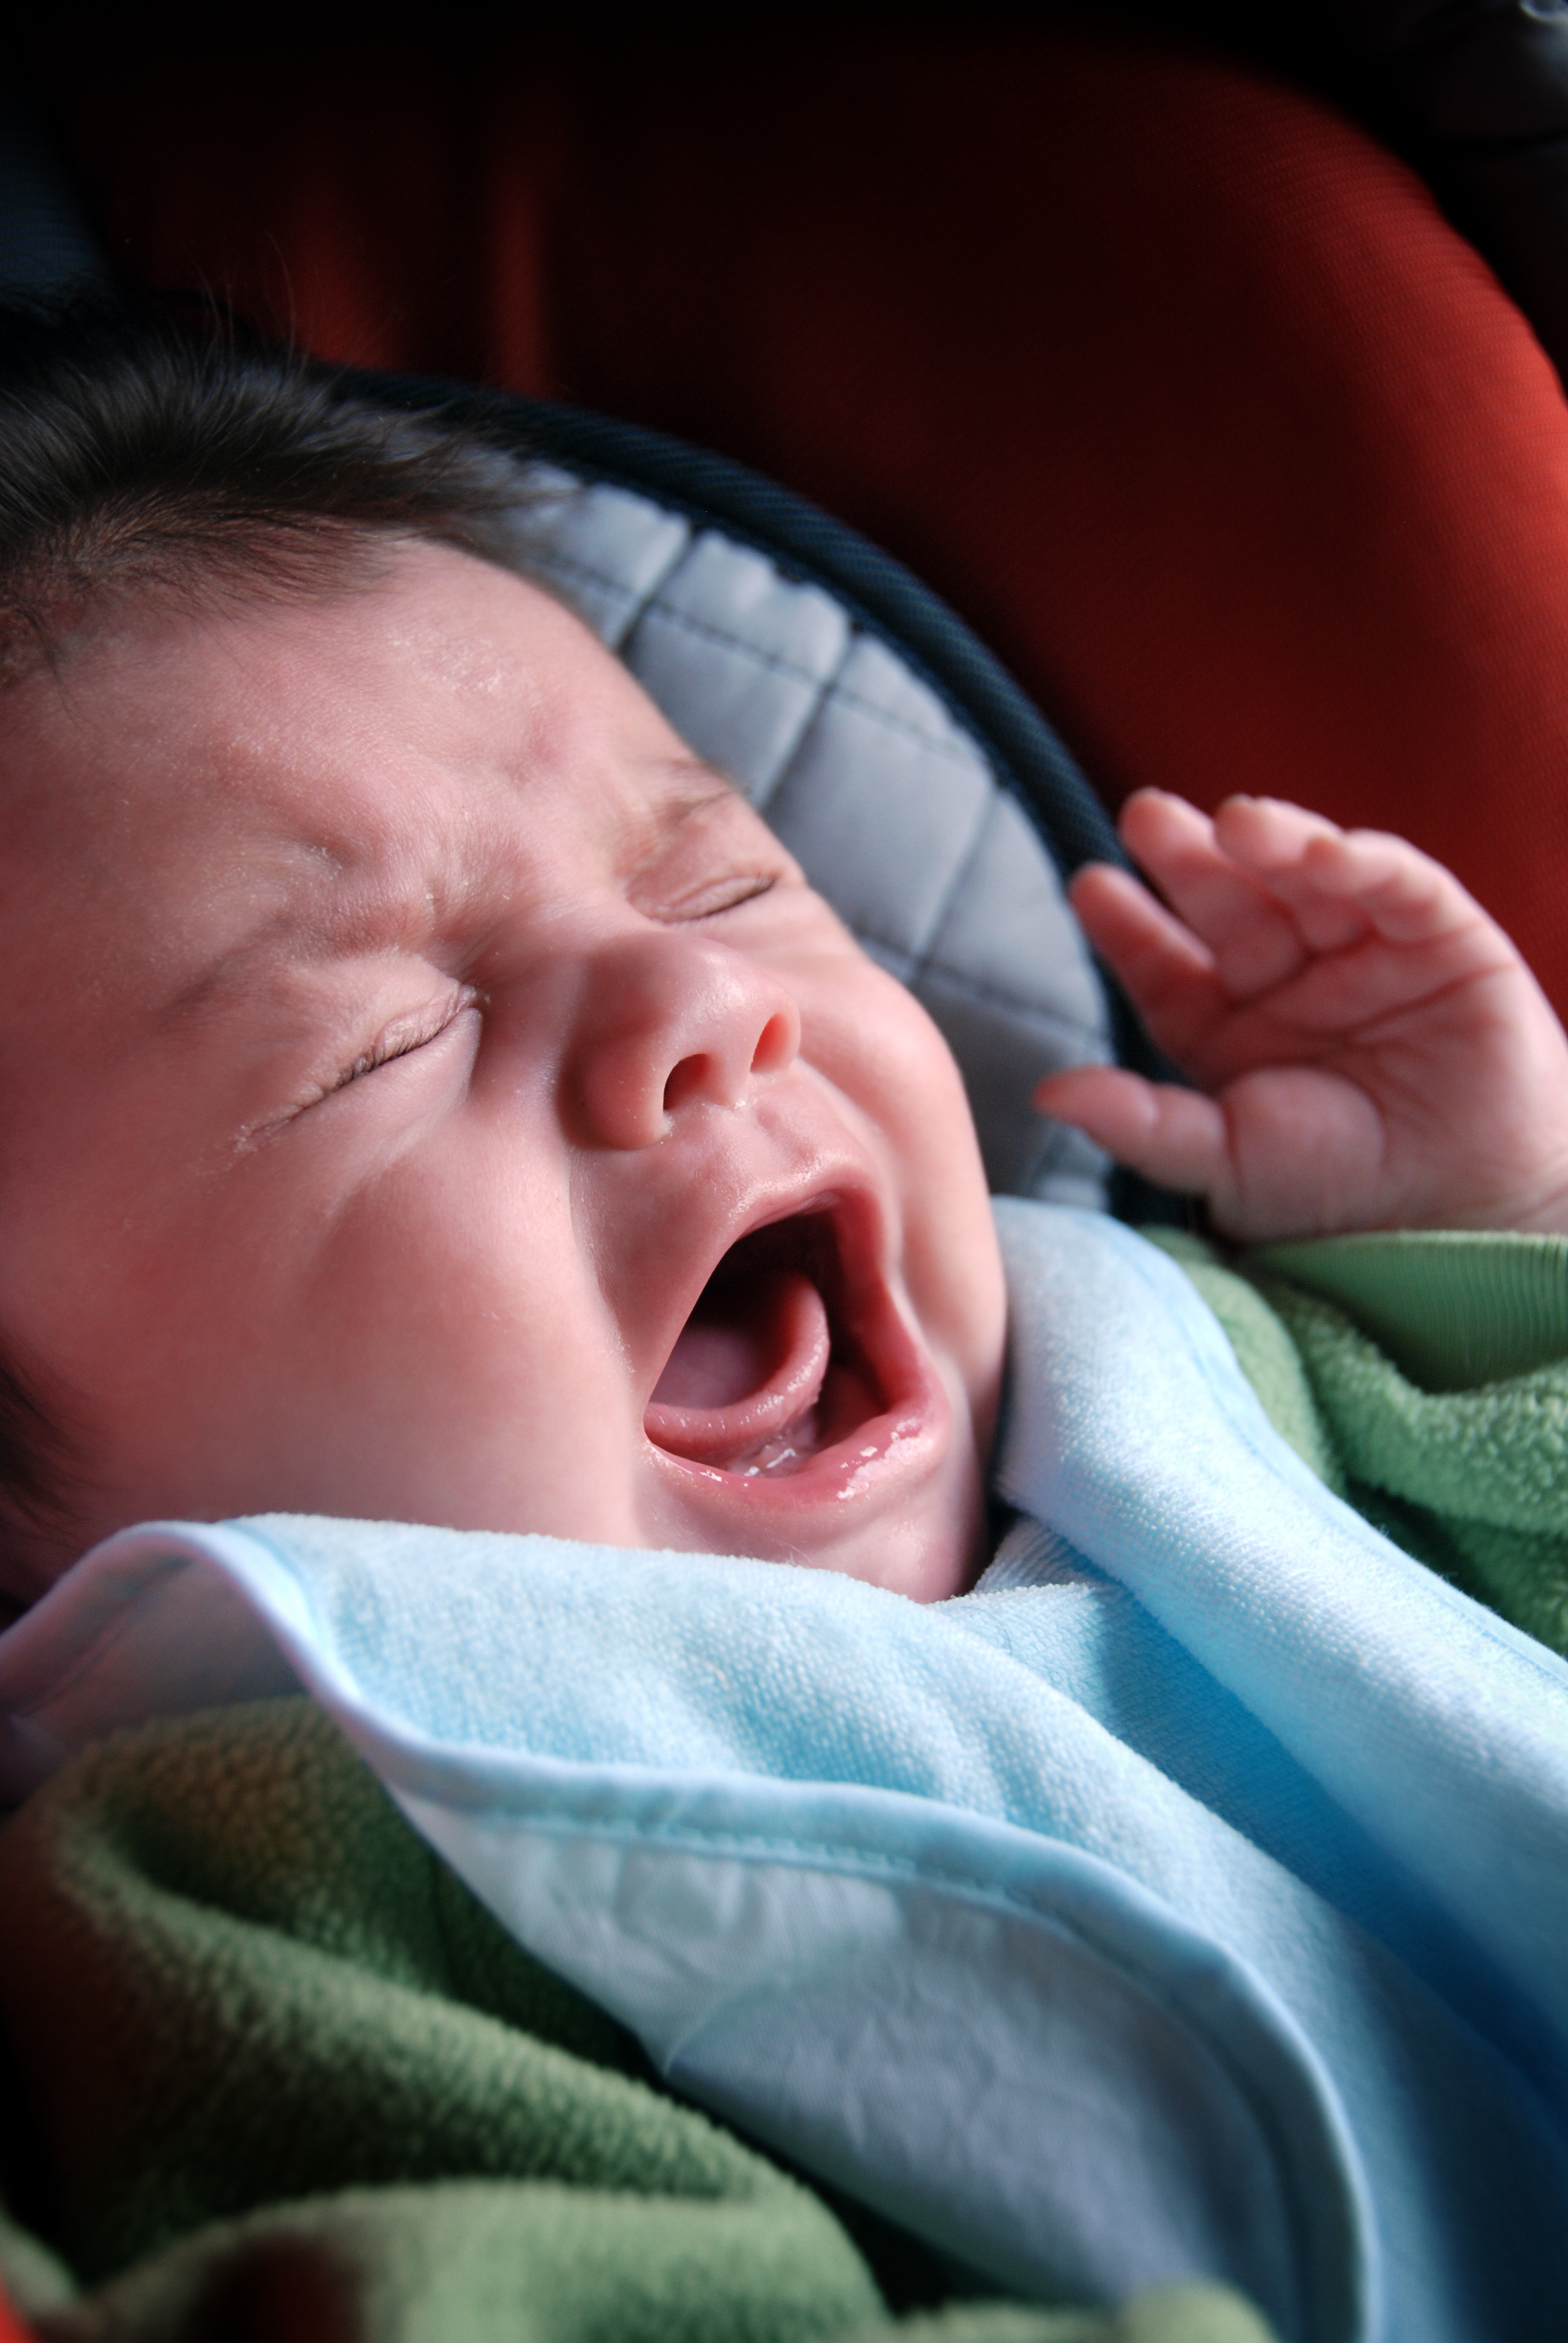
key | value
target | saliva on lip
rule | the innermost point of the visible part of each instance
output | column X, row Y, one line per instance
column 796, row 1444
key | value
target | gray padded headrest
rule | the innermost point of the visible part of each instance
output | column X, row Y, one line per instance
column 891, row 808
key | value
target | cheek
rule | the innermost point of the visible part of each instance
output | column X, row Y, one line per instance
column 881, row 1048
column 449, row 1335
column 430, row 1346
column 487, row 1394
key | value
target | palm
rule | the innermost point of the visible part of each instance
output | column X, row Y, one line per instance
column 1370, row 1049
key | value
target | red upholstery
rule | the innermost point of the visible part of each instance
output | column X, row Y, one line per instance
column 11, row 2328
column 1176, row 386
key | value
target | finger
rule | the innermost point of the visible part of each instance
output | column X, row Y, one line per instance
column 1324, row 872
column 1132, row 930
column 1170, row 979
column 1280, row 844
column 1176, row 1136
column 1167, row 975
column 1253, row 934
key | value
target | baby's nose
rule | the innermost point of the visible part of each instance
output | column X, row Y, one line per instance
column 670, row 1024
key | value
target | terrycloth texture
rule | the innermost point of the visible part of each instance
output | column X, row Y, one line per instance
column 1264, row 1352
column 1425, row 1375
column 237, row 1978
column 1241, row 1842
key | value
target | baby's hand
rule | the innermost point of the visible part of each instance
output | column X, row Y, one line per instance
column 1375, row 1053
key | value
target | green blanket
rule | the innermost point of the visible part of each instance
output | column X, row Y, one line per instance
column 1425, row 1376
column 276, row 2075
column 267, row 2071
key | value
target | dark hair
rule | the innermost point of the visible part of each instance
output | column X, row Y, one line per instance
column 142, row 454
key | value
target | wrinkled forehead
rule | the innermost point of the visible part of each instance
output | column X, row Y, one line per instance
column 191, row 771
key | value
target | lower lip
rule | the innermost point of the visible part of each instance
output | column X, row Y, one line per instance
column 884, row 1455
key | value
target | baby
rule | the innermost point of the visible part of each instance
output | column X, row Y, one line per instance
column 433, row 1094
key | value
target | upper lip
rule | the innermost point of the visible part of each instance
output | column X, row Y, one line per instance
column 827, row 1200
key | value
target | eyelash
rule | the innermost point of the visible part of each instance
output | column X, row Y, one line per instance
column 733, row 893
column 394, row 1045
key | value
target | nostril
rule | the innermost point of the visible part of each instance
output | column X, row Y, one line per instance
column 686, row 1081
column 718, row 1076
column 775, row 1046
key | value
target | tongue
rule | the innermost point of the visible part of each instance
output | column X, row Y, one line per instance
column 748, row 1368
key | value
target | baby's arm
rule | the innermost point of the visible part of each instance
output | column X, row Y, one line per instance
column 1369, row 1049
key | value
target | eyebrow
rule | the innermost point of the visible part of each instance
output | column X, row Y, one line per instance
column 221, row 971
column 694, row 785
column 692, row 788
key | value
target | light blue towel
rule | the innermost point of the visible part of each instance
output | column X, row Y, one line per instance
column 1190, row 1899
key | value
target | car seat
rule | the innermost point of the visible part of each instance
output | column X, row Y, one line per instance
column 1277, row 491
column 1175, row 384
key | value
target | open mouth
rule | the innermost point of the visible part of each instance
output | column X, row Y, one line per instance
column 775, row 1366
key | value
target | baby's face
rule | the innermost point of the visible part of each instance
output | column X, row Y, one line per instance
column 430, row 1094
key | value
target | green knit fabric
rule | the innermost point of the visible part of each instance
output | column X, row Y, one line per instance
column 274, row 2075
column 1425, row 1375
column 1453, row 1309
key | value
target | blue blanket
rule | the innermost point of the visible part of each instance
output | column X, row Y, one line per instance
column 1210, row 1832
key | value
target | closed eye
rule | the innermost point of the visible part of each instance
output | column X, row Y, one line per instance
column 404, row 1036
column 723, row 895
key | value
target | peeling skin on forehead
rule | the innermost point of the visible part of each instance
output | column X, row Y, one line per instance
column 406, row 1030
column 91, row 785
